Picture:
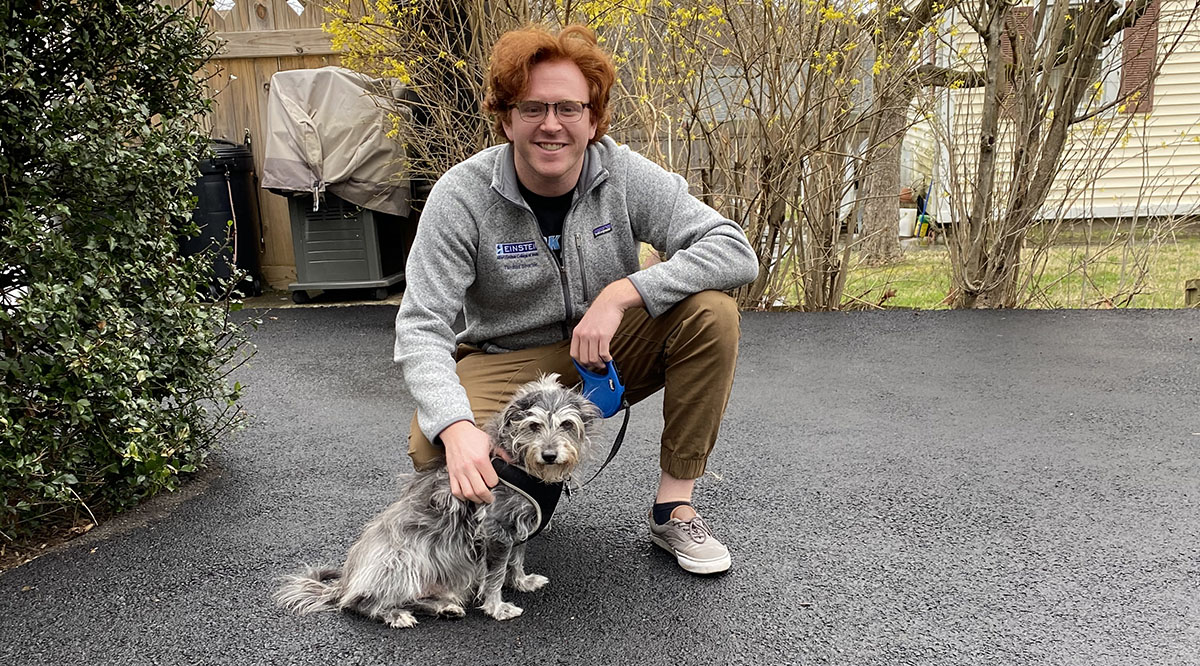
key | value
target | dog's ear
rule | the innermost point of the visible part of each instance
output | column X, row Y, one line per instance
column 514, row 410
column 588, row 410
column 507, row 416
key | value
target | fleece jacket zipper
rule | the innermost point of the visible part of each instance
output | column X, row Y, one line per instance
column 562, row 268
column 562, row 274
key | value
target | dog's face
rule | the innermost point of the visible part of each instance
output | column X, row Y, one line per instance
column 546, row 428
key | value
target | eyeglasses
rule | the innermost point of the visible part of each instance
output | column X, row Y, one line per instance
column 568, row 111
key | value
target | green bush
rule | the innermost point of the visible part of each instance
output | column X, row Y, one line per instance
column 112, row 373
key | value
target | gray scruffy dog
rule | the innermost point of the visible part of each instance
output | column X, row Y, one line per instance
column 430, row 551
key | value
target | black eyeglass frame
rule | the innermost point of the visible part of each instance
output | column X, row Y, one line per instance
column 545, row 106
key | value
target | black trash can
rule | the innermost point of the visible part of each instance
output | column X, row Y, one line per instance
column 226, row 191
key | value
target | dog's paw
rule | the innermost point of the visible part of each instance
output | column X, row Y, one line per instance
column 399, row 619
column 452, row 611
column 502, row 610
column 530, row 583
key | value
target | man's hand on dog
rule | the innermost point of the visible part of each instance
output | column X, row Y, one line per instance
column 469, row 462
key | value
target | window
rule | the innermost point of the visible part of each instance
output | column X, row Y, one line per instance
column 1123, row 70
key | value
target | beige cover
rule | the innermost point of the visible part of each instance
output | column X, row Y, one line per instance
column 325, row 131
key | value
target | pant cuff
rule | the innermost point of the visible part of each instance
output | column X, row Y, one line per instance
column 681, row 468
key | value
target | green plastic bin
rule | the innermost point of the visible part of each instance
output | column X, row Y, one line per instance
column 343, row 246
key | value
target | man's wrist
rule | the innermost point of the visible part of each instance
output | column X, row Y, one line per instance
column 454, row 431
column 622, row 295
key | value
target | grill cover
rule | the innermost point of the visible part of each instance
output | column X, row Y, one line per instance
column 325, row 131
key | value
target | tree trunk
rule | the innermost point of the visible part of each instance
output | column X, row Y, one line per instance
column 974, row 267
column 1000, row 290
column 881, row 182
column 894, row 88
column 990, row 276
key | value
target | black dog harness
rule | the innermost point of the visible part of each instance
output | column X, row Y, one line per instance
column 543, row 496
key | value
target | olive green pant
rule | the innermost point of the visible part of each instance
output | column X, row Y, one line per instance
column 691, row 350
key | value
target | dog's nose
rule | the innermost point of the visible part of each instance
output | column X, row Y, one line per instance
column 549, row 457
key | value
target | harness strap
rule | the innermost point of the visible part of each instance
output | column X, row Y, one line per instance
column 543, row 496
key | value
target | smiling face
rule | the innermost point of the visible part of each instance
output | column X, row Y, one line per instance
column 549, row 153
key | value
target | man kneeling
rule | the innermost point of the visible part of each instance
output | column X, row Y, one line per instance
column 536, row 241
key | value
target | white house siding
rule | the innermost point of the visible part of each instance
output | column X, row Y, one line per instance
column 917, row 154
column 1143, row 164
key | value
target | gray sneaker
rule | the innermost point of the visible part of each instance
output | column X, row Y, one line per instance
column 692, row 544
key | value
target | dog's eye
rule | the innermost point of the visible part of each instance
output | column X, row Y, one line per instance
column 534, row 426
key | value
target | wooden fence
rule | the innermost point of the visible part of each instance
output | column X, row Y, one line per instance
column 261, row 37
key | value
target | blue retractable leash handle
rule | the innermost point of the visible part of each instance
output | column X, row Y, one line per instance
column 606, row 391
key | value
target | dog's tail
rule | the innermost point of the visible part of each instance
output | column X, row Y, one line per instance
column 314, row 589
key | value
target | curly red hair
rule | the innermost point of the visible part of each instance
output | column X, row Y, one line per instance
column 517, row 51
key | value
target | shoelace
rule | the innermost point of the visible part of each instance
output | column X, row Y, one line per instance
column 697, row 530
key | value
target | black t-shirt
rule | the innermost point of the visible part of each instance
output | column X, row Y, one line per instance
column 550, row 213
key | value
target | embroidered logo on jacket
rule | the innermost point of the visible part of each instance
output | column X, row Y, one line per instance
column 601, row 230
column 510, row 255
column 516, row 250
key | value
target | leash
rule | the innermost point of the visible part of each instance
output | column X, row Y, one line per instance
column 606, row 391
column 612, row 453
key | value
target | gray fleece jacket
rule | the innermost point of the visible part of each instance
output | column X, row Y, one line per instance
column 479, row 249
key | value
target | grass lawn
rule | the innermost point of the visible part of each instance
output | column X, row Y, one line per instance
column 1075, row 276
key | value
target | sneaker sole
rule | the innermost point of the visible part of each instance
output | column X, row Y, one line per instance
column 692, row 565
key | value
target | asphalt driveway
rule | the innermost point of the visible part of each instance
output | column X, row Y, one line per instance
column 896, row 488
